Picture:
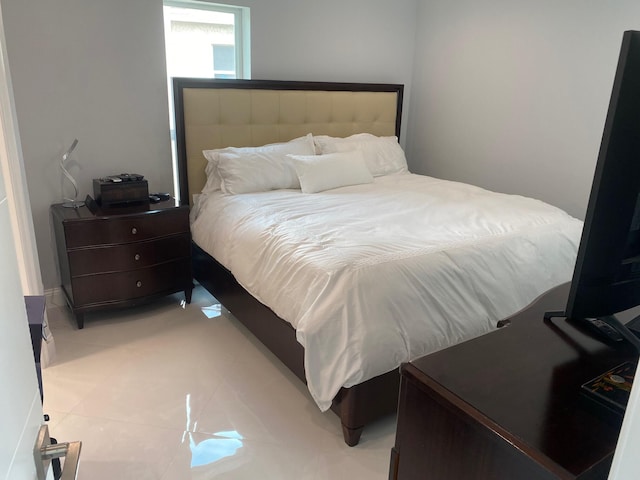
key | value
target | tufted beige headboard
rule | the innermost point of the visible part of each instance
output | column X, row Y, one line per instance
column 221, row 113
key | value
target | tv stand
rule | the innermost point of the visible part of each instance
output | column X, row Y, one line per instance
column 607, row 327
column 509, row 404
column 633, row 326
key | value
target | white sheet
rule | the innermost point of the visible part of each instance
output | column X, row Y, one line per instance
column 378, row 274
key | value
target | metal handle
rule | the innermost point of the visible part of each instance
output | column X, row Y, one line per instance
column 44, row 451
column 134, row 230
column 136, row 256
column 138, row 284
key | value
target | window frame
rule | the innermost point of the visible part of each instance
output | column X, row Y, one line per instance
column 242, row 29
column 242, row 39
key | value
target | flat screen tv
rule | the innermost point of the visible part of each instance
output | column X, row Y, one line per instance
column 606, row 279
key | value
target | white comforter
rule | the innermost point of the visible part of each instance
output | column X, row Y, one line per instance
column 378, row 274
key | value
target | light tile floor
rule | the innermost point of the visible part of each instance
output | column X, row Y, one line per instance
column 163, row 392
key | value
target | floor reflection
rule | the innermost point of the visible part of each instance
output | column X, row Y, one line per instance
column 214, row 449
column 212, row 311
column 211, row 450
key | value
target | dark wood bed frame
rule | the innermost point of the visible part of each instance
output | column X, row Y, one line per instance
column 357, row 405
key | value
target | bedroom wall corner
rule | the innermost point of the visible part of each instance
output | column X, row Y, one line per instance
column 513, row 96
column 94, row 71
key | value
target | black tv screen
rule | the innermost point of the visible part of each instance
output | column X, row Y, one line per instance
column 606, row 278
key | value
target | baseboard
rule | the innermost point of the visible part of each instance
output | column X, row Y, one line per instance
column 54, row 297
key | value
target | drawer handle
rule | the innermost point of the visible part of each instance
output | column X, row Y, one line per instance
column 138, row 284
column 136, row 256
column 134, row 230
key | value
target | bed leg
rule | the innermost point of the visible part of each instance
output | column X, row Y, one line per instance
column 351, row 435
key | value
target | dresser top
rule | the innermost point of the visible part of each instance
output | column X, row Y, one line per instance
column 526, row 377
column 86, row 213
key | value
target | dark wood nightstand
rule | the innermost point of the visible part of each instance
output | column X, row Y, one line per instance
column 507, row 405
column 124, row 257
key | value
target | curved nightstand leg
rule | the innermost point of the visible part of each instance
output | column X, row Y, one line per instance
column 187, row 294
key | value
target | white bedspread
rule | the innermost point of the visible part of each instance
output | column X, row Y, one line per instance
column 378, row 274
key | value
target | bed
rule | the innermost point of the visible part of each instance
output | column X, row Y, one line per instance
column 337, row 267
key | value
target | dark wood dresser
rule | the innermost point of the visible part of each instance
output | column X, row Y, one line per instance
column 507, row 405
column 123, row 257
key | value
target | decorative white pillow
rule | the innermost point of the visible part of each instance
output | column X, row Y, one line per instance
column 384, row 155
column 318, row 173
column 267, row 167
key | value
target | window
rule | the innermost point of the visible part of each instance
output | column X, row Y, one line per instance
column 206, row 40
column 224, row 61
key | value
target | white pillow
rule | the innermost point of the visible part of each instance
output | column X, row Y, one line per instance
column 383, row 155
column 214, row 182
column 267, row 168
column 332, row 170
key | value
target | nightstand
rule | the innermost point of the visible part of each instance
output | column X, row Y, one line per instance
column 124, row 257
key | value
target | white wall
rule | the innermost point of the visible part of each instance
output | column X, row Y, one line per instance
column 512, row 95
column 626, row 463
column 20, row 406
column 95, row 70
column 92, row 70
column 334, row 40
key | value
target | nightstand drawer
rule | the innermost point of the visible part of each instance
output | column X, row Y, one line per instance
column 125, row 229
column 118, row 286
column 130, row 256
